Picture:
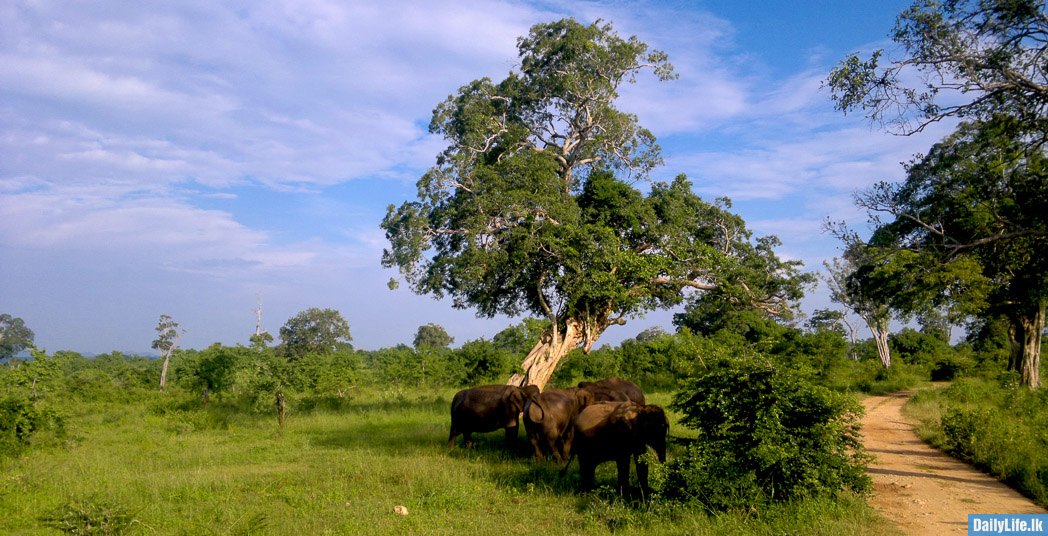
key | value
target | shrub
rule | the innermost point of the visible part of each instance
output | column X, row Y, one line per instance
column 764, row 434
column 20, row 420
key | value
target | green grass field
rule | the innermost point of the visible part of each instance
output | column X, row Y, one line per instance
column 167, row 467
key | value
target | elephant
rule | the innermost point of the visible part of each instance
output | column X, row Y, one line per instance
column 614, row 389
column 486, row 409
column 549, row 419
column 618, row 431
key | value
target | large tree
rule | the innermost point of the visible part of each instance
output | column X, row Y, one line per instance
column 167, row 334
column 844, row 288
column 532, row 209
column 975, row 59
column 315, row 330
column 14, row 336
column 972, row 210
column 432, row 336
column 969, row 231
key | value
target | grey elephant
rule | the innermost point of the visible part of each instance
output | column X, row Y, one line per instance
column 549, row 420
column 613, row 389
column 486, row 409
column 618, row 431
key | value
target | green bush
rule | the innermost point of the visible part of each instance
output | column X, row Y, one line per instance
column 20, row 421
column 764, row 434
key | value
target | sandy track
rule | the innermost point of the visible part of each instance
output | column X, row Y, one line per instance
column 922, row 490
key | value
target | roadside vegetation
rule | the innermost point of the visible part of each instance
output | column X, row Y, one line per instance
column 992, row 423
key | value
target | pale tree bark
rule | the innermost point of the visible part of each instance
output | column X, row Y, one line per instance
column 879, row 329
column 167, row 357
column 1024, row 335
column 163, row 371
column 851, row 333
column 554, row 345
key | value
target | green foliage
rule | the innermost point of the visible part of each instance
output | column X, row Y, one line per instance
column 21, row 420
column 990, row 51
column 321, row 331
column 38, row 375
column 946, row 249
column 14, row 336
column 432, row 336
column 211, row 371
column 531, row 207
column 486, row 362
column 764, row 434
column 519, row 339
column 167, row 334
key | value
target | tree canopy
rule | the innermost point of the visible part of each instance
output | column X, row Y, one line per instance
column 532, row 208
column 968, row 230
column 432, row 336
column 14, row 336
column 976, row 59
column 315, row 330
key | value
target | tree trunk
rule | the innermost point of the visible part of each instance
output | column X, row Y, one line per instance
column 851, row 331
column 1025, row 345
column 542, row 360
column 879, row 329
column 882, row 348
column 281, row 408
column 163, row 371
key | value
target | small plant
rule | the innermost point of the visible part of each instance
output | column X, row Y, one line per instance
column 91, row 518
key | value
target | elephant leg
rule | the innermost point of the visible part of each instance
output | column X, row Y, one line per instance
column 557, row 448
column 538, row 446
column 511, row 435
column 467, row 436
column 642, row 475
column 623, row 465
column 586, row 471
column 452, row 436
column 565, row 442
column 552, row 440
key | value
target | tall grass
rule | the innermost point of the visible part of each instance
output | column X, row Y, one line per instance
column 168, row 467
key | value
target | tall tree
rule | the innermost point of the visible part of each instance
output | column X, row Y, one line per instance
column 972, row 217
column 531, row 207
column 14, row 336
column 321, row 331
column 167, row 333
column 976, row 58
column 840, row 277
column 432, row 336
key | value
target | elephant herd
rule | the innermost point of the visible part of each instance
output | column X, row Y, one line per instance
column 595, row 422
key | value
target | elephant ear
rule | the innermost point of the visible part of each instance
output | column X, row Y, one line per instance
column 653, row 417
column 625, row 418
column 584, row 397
column 515, row 399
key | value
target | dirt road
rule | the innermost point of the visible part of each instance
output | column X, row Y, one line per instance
column 922, row 490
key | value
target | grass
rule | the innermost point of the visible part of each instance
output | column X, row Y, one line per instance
column 167, row 467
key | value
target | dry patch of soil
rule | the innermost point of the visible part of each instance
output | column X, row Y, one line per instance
column 922, row 490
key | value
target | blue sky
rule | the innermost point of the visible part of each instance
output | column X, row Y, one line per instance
column 186, row 158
